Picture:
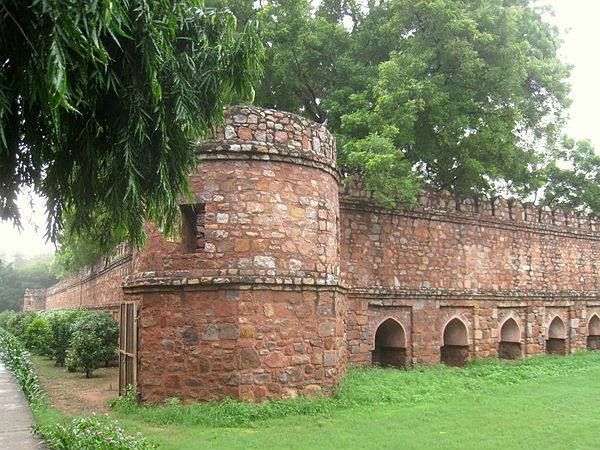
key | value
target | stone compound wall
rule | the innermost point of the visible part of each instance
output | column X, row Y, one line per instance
column 480, row 261
column 284, row 280
column 258, row 311
column 98, row 286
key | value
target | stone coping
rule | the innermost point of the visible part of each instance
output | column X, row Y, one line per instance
column 260, row 151
column 254, row 130
column 463, row 294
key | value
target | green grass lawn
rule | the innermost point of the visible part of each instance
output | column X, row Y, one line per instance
column 539, row 403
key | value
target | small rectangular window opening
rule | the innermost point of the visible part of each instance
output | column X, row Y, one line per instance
column 193, row 227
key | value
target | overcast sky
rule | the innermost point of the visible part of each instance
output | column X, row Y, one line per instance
column 578, row 20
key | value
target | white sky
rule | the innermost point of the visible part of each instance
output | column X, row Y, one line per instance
column 578, row 21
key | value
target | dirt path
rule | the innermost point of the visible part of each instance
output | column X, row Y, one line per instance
column 74, row 394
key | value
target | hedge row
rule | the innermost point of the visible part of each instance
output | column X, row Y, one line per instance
column 16, row 359
column 83, row 340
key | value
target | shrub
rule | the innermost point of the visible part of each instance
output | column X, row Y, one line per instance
column 5, row 316
column 61, row 329
column 18, row 323
column 89, row 432
column 93, row 341
column 37, row 337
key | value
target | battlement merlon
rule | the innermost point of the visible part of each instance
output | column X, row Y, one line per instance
column 481, row 206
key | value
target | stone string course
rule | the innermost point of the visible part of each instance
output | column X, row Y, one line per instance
column 298, row 272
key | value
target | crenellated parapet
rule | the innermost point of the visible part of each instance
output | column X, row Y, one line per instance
column 96, row 285
column 511, row 211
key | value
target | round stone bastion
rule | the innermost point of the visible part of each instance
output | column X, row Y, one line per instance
column 247, row 303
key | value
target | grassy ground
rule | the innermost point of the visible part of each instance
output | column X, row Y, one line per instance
column 542, row 402
column 72, row 393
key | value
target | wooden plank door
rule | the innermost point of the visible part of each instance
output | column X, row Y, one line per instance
column 128, row 343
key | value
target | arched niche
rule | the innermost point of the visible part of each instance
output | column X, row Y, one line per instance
column 390, row 344
column 557, row 338
column 593, row 334
column 455, row 348
column 510, row 340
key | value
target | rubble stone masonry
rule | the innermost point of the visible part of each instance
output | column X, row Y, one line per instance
column 478, row 260
column 278, row 280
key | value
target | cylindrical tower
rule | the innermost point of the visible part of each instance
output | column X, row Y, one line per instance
column 247, row 303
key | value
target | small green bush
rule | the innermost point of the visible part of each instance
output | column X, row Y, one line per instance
column 37, row 337
column 93, row 341
column 61, row 330
column 5, row 316
column 18, row 323
column 90, row 432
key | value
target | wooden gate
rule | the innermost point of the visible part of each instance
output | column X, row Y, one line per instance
column 128, row 343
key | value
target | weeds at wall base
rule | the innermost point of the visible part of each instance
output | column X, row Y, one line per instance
column 365, row 387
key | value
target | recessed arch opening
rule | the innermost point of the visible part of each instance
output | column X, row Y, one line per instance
column 556, row 343
column 390, row 344
column 593, row 335
column 455, row 348
column 510, row 340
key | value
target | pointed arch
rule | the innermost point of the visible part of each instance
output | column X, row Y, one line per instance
column 557, row 329
column 510, row 331
column 455, row 332
column 509, row 337
column 556, row 343
column 593, row 325
column 593, row 332
column 389, row 344
column 390, row 332
column 455, row 343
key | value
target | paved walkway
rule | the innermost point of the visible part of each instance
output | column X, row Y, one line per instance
column 15, row 416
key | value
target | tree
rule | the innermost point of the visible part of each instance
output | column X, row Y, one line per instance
column 61, row 331
column 37, row 337
column 471, row 94
column 13, row 281
column 573, row 178
column 463, row 95
column 93, row 341
column 77, row 249
column 101, row 103
column 9, row 291
column 301, row 54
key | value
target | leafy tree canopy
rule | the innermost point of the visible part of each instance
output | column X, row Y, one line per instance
column 14, row 280
column 101, row 103
column 463, row 95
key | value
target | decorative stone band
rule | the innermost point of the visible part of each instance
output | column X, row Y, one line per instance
column 269, row 135
column 165, row 280
column 379, row 294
